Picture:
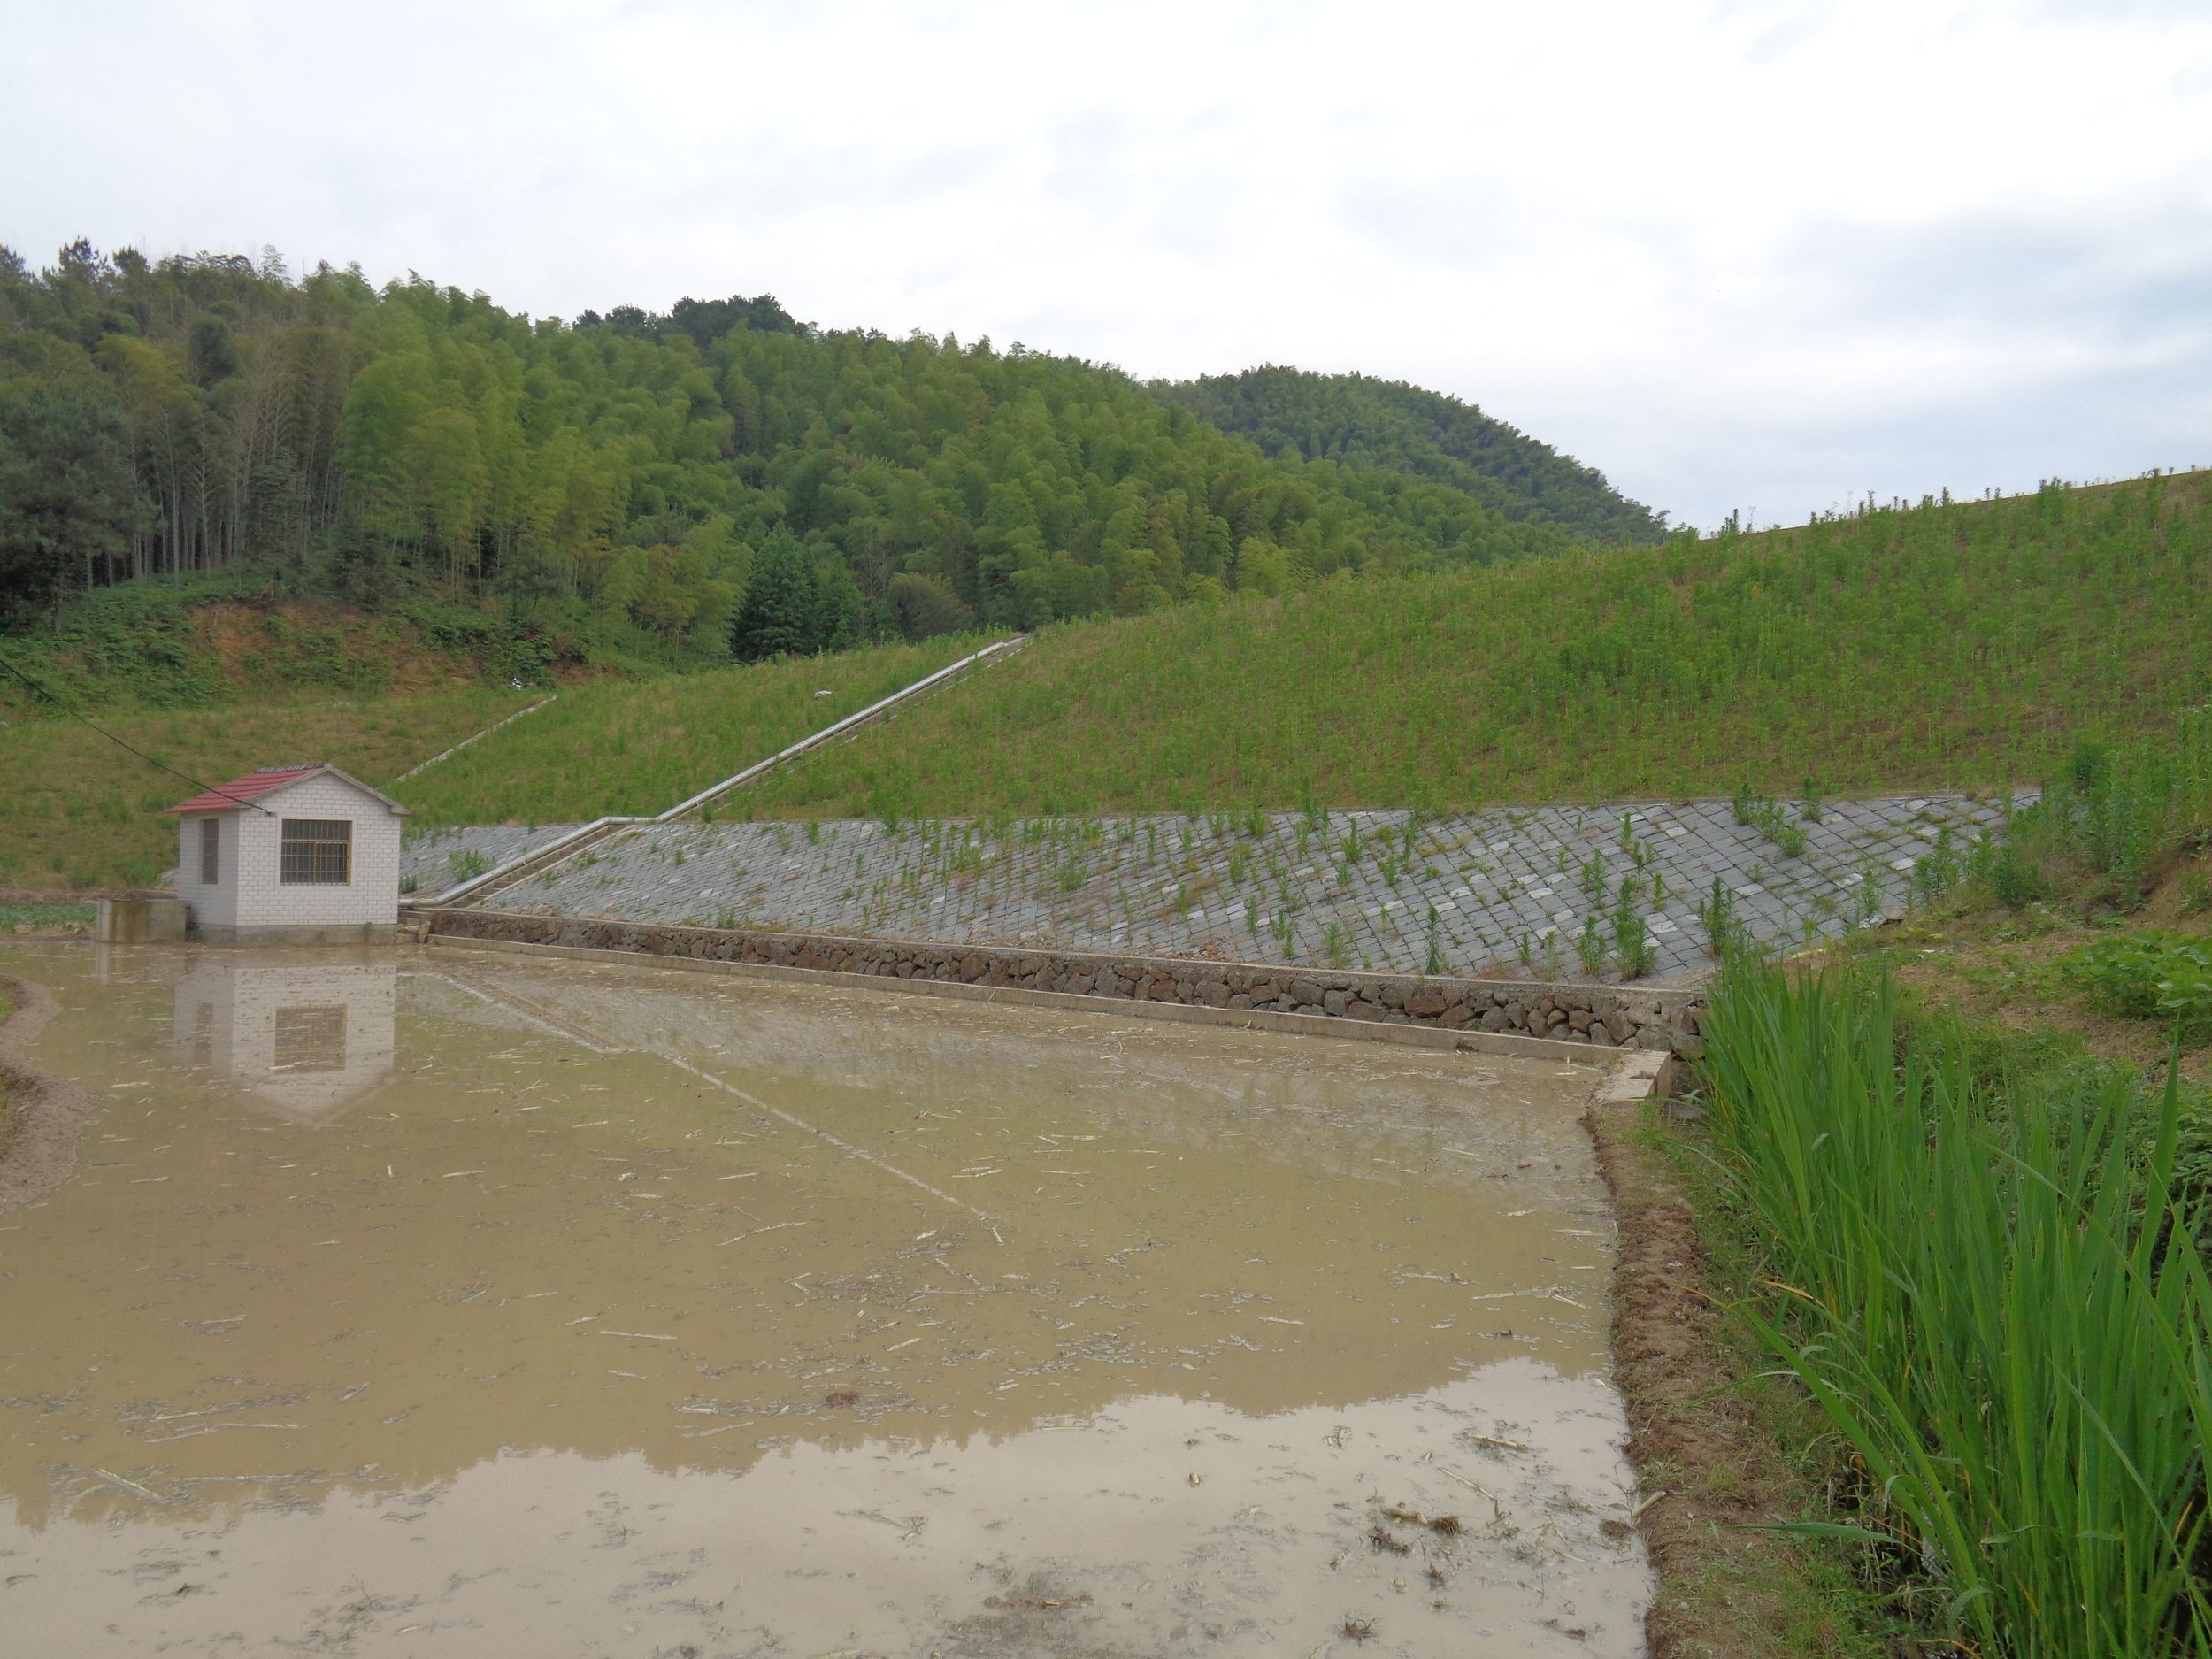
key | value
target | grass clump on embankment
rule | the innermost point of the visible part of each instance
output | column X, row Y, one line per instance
column 1945, row 645
column 640, row 746
column 2090, row 919
column 1991, row 1291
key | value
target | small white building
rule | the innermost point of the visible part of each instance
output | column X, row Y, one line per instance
column 292, row 855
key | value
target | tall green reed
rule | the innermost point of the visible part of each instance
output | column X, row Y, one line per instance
column 1999, row 1310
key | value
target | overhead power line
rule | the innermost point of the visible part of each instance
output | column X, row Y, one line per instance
column 55, row 698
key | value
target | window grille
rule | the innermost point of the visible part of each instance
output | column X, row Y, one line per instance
column 315, row 852
column 210, row 850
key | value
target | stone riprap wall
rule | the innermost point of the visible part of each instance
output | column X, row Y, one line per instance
column 1605, row 1016
column 425, row 857
column 1498, row 893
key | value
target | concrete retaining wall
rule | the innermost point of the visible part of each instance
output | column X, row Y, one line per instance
column 1598, row 1016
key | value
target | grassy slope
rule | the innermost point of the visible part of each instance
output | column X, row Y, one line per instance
column 78, row 812
column 1963, row 645
column 642, row 746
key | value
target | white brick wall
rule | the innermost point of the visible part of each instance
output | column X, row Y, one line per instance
column 248, row 891
column 215, row 906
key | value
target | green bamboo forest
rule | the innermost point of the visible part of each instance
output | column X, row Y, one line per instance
column 614, row 487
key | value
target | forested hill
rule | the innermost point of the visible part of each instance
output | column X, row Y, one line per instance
column 1367, row 422
column 606, row 484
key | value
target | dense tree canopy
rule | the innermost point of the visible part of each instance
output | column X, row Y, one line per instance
column 611, row 484
column 1367, row 422
column 68, row 503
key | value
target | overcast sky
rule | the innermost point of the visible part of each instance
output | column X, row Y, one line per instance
column 1756, row 254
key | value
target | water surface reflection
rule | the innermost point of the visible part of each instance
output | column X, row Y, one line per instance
column 626, row 1307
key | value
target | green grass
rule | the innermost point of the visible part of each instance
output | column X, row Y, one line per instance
column 1989, row 1287
column 79, row 813
column 631, row 746
column 15, row 915
column 1947, row 645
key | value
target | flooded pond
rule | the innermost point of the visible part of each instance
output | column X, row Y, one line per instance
column 439, row 1303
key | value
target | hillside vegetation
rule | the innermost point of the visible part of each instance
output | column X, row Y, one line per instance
column 90, row 814
column 213, row 641
column 1366, row 423
column 604, row 488
column 1947, row 645
column 641, row 746
column 1962, row 644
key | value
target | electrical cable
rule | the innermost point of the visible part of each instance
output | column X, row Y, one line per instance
column 54, row 698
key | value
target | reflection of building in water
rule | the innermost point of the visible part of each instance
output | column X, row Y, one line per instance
column 308, row 1038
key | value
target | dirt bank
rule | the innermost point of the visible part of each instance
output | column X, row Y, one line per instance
column 40, row 1117
column 1710, row 1470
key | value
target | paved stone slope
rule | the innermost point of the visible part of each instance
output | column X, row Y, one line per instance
column 427, row 858
column 1506, row 891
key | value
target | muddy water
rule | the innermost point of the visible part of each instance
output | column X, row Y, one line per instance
column 436, row 1302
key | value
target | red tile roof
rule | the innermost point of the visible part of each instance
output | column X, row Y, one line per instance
column 249, row 787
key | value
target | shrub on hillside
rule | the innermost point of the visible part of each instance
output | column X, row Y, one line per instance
column 2148, row 975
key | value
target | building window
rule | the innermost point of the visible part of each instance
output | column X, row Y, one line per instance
column 310, row 1039
column 317, row 851
column 210, row 851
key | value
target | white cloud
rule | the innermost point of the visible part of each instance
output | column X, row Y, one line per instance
column 1768, row 251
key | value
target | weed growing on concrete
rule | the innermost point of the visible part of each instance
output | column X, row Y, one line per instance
column 1590, row 946
column 1631, row 941
column 1336, row 945
column 1866, row 898
column 1593, row 878
column 1937, row 872
column 1718, row 915
column 1434, row 962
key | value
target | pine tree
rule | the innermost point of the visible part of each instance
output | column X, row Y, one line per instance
column 780, row 615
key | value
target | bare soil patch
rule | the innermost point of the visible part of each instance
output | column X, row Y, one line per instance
column 40, row 1117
